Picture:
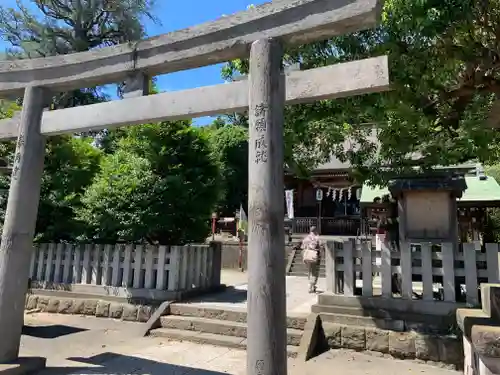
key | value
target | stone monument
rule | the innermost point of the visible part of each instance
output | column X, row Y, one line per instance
column 427, row 207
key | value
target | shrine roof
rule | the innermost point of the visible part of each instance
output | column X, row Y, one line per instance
column 477, row 191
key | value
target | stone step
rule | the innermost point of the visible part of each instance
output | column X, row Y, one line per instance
column 304, row 274
column 304, row 268
column 298, row 268
column 298, row 255
column 209, row 338
column 298, row 260
column 300, row 263
column 297, row 273
column 410, row 319
column 303, row 271
column 377, row 302
column 219, row 327
column 364, row 321
column 226, row 314
column 354, row 311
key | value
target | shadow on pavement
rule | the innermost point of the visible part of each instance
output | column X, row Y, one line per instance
column 118, row 364
column 229, row 295
column 50, row 331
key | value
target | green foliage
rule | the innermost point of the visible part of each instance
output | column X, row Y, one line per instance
column 229, row 145
column 157, row 183
column 118, row 205
column 8, row 108
column 160, row 186
column 492, row 230
column 70, row 165
column 444, row 76
column 60, row 27
column 108, row 140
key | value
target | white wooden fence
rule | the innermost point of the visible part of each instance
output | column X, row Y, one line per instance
column 358, row 265
column 170, row 268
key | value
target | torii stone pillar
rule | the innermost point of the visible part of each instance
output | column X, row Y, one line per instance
column 266, row 333
column 16, row 248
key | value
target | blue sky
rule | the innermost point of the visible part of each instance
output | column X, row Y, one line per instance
column 178, row 14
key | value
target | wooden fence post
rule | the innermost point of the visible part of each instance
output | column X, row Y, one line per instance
column 175, row 265
column 349, row 279
column 216, row 248
column 366, row 264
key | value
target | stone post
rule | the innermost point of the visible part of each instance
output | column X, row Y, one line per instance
column 20, row 219
column 331, row 279
column 481, row 333
column 266, row 348
column 216, row 264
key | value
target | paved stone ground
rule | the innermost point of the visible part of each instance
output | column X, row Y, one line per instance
column 233, row 277
column 170, row 358
column 106, row 346
column 298, row 299
column 89, row 345
column 59, row 337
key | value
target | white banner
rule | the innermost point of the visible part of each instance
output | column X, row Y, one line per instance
column 289, row 203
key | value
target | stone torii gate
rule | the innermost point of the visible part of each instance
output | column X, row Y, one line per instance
column 262, row 31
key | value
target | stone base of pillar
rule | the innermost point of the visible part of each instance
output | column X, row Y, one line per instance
column 475, row 364
column 488, row 366
column 481, row 333
column 469, row 358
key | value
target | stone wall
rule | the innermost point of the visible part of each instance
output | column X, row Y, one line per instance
column 91, row 307
column 443, row 351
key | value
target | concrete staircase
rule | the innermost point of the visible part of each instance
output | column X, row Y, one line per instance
column 298, row 268
column 217, row 326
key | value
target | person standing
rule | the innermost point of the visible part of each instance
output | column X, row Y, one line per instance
column 380, row 235
column 311, row 255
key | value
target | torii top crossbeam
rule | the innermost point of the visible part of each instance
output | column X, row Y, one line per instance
column 293, row 21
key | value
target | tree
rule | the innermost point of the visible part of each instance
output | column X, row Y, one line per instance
column 108, row 140
column 229, row 144
column 444, row 65
column 60, row 27
column 160, row 186
column 70, row 164
column 118, row 205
